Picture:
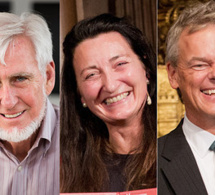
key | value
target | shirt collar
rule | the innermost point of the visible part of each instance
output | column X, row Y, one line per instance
column 199, row 139
column 47, row 127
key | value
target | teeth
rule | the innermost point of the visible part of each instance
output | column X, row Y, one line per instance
column 12, row 115
column 116, row 99
column 209, row 92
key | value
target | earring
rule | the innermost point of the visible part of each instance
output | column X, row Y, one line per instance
column 149, row 101
column 84, row 105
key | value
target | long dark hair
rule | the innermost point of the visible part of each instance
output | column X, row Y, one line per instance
column 84, row 137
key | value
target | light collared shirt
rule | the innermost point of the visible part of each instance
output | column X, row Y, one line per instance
column 38, row 173
column 200, row 142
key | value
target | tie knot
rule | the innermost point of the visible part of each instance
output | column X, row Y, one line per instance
column 212, row 147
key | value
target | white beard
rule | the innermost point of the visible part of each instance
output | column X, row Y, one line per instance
column 18, row 135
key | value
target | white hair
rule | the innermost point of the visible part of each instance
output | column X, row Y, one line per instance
column 32, row 26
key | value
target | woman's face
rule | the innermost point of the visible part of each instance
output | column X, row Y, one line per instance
column 111, row 79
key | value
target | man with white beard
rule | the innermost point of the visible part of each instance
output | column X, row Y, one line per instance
column 29, row 123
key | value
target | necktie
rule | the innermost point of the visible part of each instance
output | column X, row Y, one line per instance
column 212, row 147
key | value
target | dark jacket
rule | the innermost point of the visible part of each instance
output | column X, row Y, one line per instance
column 178, row 172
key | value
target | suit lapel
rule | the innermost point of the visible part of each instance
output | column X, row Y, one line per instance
column 180, row 168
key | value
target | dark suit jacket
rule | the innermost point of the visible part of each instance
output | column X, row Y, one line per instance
column 178, row 172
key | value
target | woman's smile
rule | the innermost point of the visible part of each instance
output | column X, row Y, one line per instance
column 112, row 100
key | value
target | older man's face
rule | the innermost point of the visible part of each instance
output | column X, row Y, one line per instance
column 22, row 86
column 195, row 75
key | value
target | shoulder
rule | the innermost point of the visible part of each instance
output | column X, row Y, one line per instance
column 167, row 150
column 171, row 138
column 161, row 143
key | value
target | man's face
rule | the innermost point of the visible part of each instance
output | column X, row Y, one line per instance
column 23, row 89
column 195, row 75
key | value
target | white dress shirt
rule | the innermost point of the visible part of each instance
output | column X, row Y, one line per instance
column 200, row 142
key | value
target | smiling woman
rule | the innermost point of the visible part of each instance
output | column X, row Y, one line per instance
column 108, row 123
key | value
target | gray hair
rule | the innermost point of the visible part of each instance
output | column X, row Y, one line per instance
column 192, row 18
column 32, row 26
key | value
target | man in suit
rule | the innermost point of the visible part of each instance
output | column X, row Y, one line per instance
column 186, row 160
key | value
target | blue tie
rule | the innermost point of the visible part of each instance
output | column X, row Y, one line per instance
column 212, row 147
